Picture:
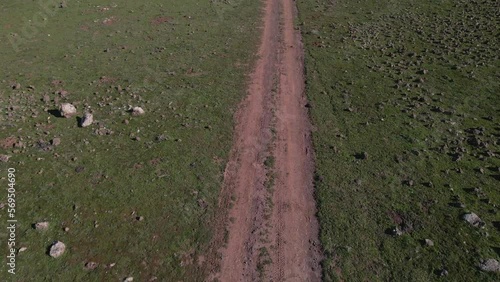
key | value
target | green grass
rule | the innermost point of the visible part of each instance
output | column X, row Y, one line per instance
column 364, row 61
column 185, row 63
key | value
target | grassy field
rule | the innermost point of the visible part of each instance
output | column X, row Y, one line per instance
column 133, row 194
column 405, row 102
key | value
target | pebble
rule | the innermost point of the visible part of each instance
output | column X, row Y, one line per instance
column 4, row 158
column 56, row 141
column 91, row 265
column 137, row 111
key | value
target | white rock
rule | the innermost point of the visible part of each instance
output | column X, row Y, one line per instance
column 57, row 249
column 22, row 249
column 4, row 158
column 137, row 111
column 67, row 110
column 473, row 219
column 128, row 279
column 490, row 265
column 87, row 119
column 42, row 226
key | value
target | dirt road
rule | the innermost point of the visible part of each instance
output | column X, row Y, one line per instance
column 270, row 232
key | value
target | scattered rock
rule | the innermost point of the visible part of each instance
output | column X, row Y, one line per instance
column 137, row 111
column 79, row 169
column 489, row 265
column 67, row 110
column 443, row 272
column 56, row 141
column 429, row 242
column 128, row 279
column 409, row 182
column 42, row 226
column 473, row 219
column 91, row 265
column 57, row 249
column 16, row 86
column 103, row 131
column 140, row 218
column 46, row 98
column 396, row 231
column 22, row 249
column 202, row 203
column 4, row 158
column 87, row 120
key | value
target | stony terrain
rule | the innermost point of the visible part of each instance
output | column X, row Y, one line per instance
column 404, row 96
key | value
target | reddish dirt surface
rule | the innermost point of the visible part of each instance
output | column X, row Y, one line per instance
column 270, row 233
column 298, row 253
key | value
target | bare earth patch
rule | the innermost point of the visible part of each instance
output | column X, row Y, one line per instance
column 271, row 232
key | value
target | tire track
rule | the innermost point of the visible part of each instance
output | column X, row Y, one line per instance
column 272, row 231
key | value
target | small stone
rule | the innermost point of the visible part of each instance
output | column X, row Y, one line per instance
column 42, row 226
column 66, row 229
column 128, row 279
column 443, row 272
column 22, row 249
column 429, row 242
column 87, row 120
column 91, row 265
column 56, row 141
column 16, row 86
column 473, row 219
column 67, row 110
column 57, row 249
column 409, row 182
column 489, row 265
column 4, row 158
column 140, row 218
column 396, row 231
column 126, row 122
column 137, row 111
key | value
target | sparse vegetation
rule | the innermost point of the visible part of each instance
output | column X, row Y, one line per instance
column 133, row 193
column 414, row 85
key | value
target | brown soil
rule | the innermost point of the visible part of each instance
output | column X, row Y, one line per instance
column 270, row 233
column 8, row 142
